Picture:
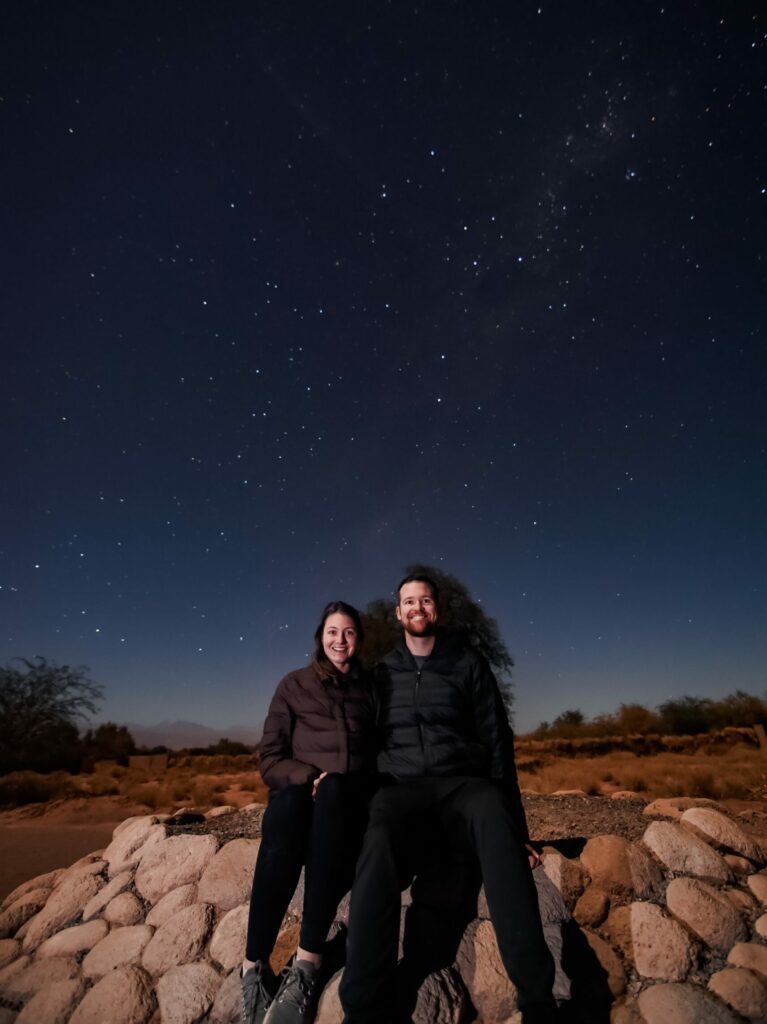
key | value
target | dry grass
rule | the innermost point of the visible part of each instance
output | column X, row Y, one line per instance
column 738, row 771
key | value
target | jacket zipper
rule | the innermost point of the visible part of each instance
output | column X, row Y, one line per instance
column 418, row 717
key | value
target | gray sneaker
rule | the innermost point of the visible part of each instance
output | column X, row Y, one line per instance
column 294, row 1003
column 258, row 984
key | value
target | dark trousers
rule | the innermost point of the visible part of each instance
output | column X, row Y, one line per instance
column 466, row 817
column 322, row 834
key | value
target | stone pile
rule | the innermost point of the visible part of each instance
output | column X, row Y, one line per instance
column 152, row 929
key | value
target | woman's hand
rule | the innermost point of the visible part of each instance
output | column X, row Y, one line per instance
column 316, row 784
column 533, row 857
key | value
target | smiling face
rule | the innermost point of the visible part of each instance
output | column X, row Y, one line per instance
column 417, row 609
column 339, row 640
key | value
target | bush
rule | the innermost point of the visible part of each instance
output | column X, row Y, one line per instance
column 20, row 788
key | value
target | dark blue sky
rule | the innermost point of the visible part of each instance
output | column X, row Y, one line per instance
column 295, row 294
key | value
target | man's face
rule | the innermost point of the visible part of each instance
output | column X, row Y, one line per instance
column 417, row 610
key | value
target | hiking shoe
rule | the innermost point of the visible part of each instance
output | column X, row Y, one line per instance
column 293, row 1003
column 257, row 984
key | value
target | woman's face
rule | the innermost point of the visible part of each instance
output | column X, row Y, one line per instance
column 339, row 640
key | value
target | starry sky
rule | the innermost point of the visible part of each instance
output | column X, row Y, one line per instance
column 295, row 294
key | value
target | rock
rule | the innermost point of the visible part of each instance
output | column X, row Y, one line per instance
column 19, row 985
column 706, row 912
column 127, row 823
column 9, row 950
column 46, row 881
column 120, row 948
column 227, row 947
column 169, row 905
column 219, row 812
column 21, row 910
column 758, row 886
column 173, row 862
column 64, row 905
column 129, row 843
column 609, row 961
column 329, row 1009
column 626, row 794
column 738, row 865
column 124, row 909
column 752, row 955
column 71, row 941
column 441, row 999
column 681, row 851
column 567, row 875
column 90, row 864
column 722, row 832
column 124, row 996
column 227, row 1006
column 660, row 947
column 226, row 881
column 760, row 927
column 103, row 896
column 675, row 806
column 682, row 1004
column 180, row 940
column 569, row 792
column 741, row 900
column 617, row 928
column 742, row 990
column 626, row 1013
column 592, row 907
column 53, row 1003
column 620, row 867
column 479, row 962
column 187, row 992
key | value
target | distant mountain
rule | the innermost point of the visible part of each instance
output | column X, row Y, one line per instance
column 176, row 735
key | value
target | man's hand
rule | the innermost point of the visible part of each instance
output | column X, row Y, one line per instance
column 533, row 857
column 316, row 784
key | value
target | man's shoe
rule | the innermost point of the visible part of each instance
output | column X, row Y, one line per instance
column 294, row 1002
column 258, row 984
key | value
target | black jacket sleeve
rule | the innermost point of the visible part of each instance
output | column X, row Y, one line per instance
column 278, row 766
column 494, row 732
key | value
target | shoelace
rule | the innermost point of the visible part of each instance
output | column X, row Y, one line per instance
column 295, row 988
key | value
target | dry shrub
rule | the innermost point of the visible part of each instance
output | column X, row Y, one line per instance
column 19, row 788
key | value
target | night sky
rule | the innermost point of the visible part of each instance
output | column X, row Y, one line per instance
column 295, row 294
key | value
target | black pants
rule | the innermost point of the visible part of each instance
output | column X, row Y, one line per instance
column 468, row 816
column 325, row 835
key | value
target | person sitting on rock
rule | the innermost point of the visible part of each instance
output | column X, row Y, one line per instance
column 318, row 760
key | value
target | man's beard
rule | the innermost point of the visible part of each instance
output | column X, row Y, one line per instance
column 424, row 629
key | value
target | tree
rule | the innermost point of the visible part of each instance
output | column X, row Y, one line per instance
column 459, row 614
column 686, row 715
column 39, row 711
column 108, row 742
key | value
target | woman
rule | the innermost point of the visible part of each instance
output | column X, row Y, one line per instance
column 317, row 758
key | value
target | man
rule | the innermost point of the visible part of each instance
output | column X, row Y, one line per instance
column 448, row 751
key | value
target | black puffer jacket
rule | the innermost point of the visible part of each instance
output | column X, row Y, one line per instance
column 316, row 726
column 446, row 719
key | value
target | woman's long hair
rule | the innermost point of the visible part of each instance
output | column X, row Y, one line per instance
column 321, row 664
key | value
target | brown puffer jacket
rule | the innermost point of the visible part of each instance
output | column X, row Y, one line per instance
column 316, row 726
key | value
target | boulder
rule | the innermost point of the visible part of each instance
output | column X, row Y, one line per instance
column 124, row 996
column 675, row 806
column 121, row 947
column 170, row 904
column 9, row 950
column 131, row 842
column 626, row 794
column 227, row 1006
column 478, row 960
column 620, row 867
column 722, row 832
column 227, row 947
column 108, row 892
column 173, row 862
column 683, row 852
column 21, row 910
column 758, row 886
column 743, row 991
column 609, row 961
column 53, row 1003
column 221, row 811
column 186, row 993
column 738, row 865
column 592, row 907
column 567, row 875
column 46, row 881
column 682, row 1004
column 441, row 999
column 741, row 899
column 71, row 941
column 660, row 946
column 180, row 940
column 18, row 984
column 227, row 880
column 752, row 955
column 760, row 927
column 64, row 905
column 626, row 1012
column 329, row 1009
column 706, row 912
column 124, row 909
